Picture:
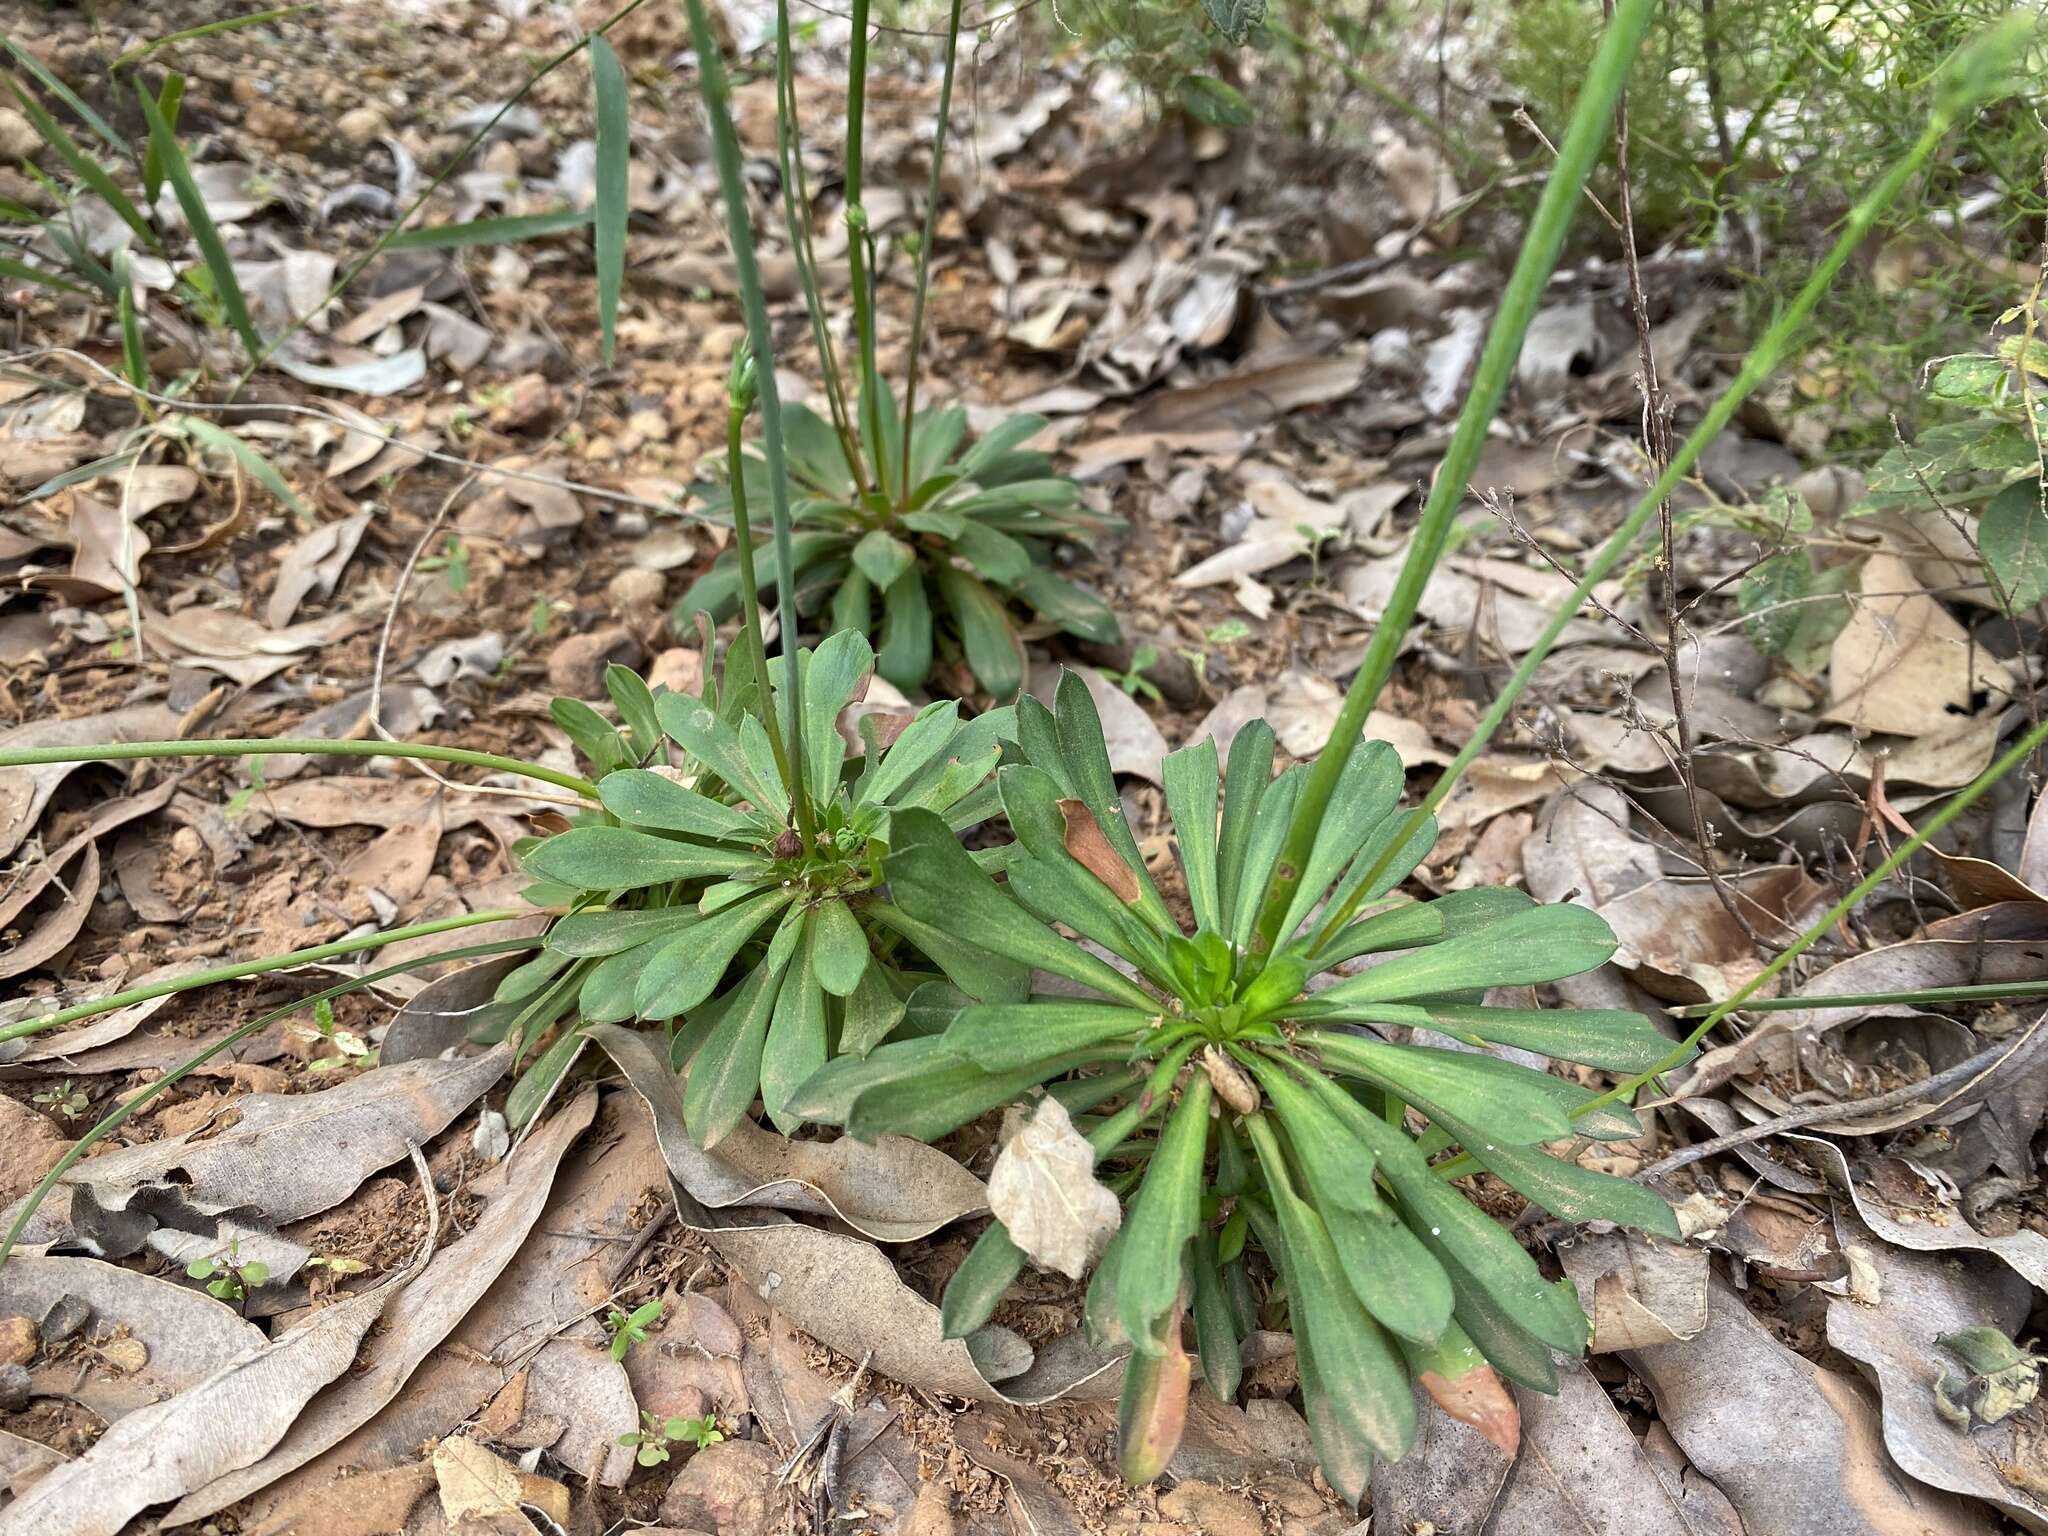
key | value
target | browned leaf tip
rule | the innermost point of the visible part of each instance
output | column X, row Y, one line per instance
column 1092, row 851
column 1478, row 1397
column 1154, row 1411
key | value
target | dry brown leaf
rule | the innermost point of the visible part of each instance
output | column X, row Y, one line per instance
column 1639, row 1291
column 1795, row 1447
column 161, row 1452
column 1903, row 665
column 288, row 1156
column 1923, row 1297
column 1089, row 847
column 1044, row 1191
column 25, row 791
column 312, row 565
column 893, row 1189
column 184, row 1335
column 1250, row 396
column 479, row 1493
column 513, row 1194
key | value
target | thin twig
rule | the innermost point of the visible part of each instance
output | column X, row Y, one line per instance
column 1657, row 445
column 1963, row 1076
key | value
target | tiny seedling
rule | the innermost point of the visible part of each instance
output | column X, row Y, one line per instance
column 227, row 1275
column 66, row 1099
column 238, row 802
column 452, row 563
column 630, row 1328
column 1135, row 682
column 656, row 1435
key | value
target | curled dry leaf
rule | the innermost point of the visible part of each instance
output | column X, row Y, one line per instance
column 1639, row 1291
column 1044, row 1191
column 1089, row 848
column 183, row 1335
column 25, row 791
column 1924, row 1298
column 234, row 1416
column 289, row 1155
column 422, row 1316
column 1796, row 1448
column 893, row 1190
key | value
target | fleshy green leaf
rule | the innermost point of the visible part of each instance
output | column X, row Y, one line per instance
column 1507, row 1100
column 883, row 558
column 1191, row 796
column 932, row 879
column 688, row 968
column 1001, row 1035
column 870, row 1014
column 1566, row 1190
column 725, row 1074
column 905, row 657
column 1246, row 780
column 1536, row 945
column 645, row 798
column 1215, row 1330
column 621, row 859
column 1163, row 1216
column 795, row 1046
column 839, row 948
column 994, row 653
column 990, row 1268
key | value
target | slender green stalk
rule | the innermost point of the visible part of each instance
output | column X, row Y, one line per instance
column 260, row 967
column 858, row 246
column 750, row 597
column 2013, row 757
column 796, row 212
column 1592, row 119
column 711, row 84
column 455, row 163
column 1984, row 992
column 261, row 746
column 1762, row 361
column 141, row 1101
column 924, row 248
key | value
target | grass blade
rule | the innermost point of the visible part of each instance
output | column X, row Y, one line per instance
column 527, row 226
column 260, row 469
column 207, row 29
column 134, row 360
column 9, row 267
column 168, row 102
column 179, row 173
column 608, row 84
column 87, row 169
column 65, row 94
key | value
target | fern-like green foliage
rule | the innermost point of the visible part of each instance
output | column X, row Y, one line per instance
column 1295, row 1103
column 947, row 553
column 693, row 902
